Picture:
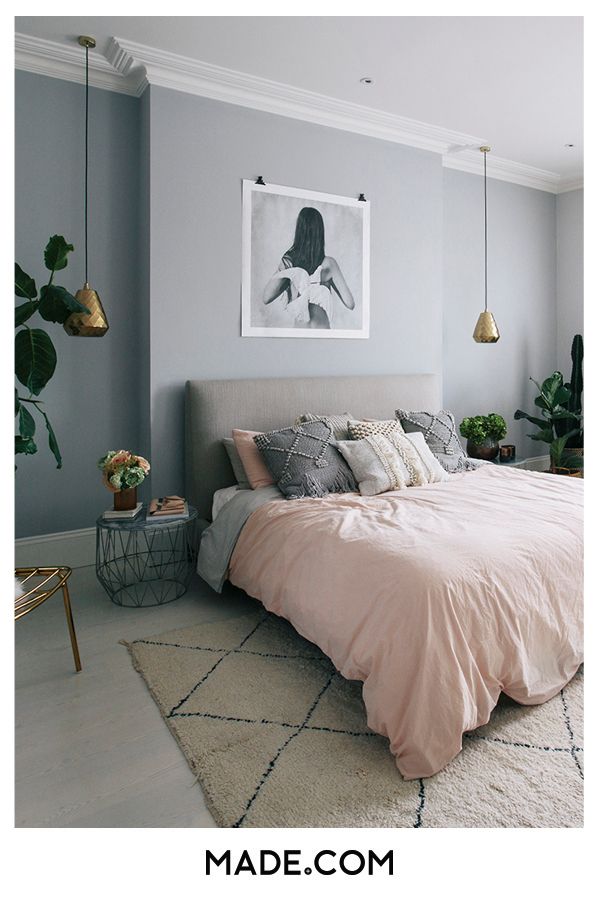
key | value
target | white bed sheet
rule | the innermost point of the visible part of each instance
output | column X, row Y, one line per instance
column 221, row 497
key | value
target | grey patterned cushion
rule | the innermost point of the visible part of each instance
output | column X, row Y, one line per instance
column 304, row 462
column 439, row 431
column 339, row 423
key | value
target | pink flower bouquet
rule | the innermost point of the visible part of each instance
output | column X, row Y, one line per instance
column 122, row 470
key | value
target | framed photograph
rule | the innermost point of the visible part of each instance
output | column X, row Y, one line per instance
column 305, row 267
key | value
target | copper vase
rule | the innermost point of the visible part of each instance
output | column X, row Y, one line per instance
column 126, row 499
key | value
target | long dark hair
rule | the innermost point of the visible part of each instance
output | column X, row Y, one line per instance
column 308, row 249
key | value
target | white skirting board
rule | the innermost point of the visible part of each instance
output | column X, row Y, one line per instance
column 535, row 464
column 78, row 548
column 65, row 548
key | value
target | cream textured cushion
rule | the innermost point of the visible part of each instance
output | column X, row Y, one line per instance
column 358, row 430
column 383, row 463
column 433, row 470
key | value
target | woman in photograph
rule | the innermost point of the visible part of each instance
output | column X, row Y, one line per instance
column 308, row 276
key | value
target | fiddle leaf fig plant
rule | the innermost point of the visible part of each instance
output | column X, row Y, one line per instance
column 553, row 402
column 35, row 355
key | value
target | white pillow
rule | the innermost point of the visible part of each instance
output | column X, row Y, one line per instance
column 223, row 496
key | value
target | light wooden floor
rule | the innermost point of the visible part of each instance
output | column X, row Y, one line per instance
column 91, row 748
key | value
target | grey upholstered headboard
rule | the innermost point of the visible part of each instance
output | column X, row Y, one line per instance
column 213, row 408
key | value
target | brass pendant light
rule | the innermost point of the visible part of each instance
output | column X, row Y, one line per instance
column 486, row 330
column 94, row 323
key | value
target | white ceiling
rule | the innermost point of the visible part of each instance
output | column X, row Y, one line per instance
column 515, row 81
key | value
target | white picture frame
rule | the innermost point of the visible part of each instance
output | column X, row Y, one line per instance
column 279, row 234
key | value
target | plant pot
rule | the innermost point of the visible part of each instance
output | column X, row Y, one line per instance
column 573, row 455
column 126, row 499
column 563, row 470
column 488, row 450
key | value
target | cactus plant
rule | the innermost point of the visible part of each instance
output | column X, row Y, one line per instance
column 575, row 386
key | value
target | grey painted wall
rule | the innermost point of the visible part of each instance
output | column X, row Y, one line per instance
column 482, row 378
column 92, row 400
column 200, row 150
column 569, row 275
column 165, row 231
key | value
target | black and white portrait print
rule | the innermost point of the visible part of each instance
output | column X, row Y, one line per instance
column 305, row 269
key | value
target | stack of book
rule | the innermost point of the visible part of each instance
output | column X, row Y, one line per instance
column 167, row 509
column 122, row 513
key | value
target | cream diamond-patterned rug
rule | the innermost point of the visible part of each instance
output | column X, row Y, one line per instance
column 279, row 739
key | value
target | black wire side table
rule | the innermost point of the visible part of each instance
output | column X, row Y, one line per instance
column 143, row 563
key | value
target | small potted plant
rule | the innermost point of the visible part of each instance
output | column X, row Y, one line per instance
column 122, row 471
column 482, row 434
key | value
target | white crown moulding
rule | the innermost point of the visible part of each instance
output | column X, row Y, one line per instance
column 181, row 73
column 503, row 170
column 129, row 67
column 569, row 184
column 33, row 54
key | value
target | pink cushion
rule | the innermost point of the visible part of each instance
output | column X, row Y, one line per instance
column 256, row 471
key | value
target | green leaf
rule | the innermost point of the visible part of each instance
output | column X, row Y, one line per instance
column 560, row 413
column 541, row 401
column 496, row 426
column 56, row 252
column 552, row 384
column 546, row 436
column 569, row 434
column 52, row 442
column 26, row 423
column 557, row 448
column 562, row 395
column 24, row 312
column 17, row 402
column 24, row 284
column 35, row 358
column 57, row 304
column 541, row 423
column 24, row 445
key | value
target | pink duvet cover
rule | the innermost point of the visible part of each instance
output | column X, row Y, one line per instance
column 437, row 597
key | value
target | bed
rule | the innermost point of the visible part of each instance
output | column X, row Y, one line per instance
column 438, row 598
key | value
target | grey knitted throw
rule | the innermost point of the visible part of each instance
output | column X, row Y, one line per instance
column 304, row 462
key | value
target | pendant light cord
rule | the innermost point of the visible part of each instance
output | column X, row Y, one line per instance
column 485, row 239
column 86, row 159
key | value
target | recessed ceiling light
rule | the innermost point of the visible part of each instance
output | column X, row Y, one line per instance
column 569, row 146
column 367, row 80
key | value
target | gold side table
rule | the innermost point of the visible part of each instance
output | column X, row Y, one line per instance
column 37, row 592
